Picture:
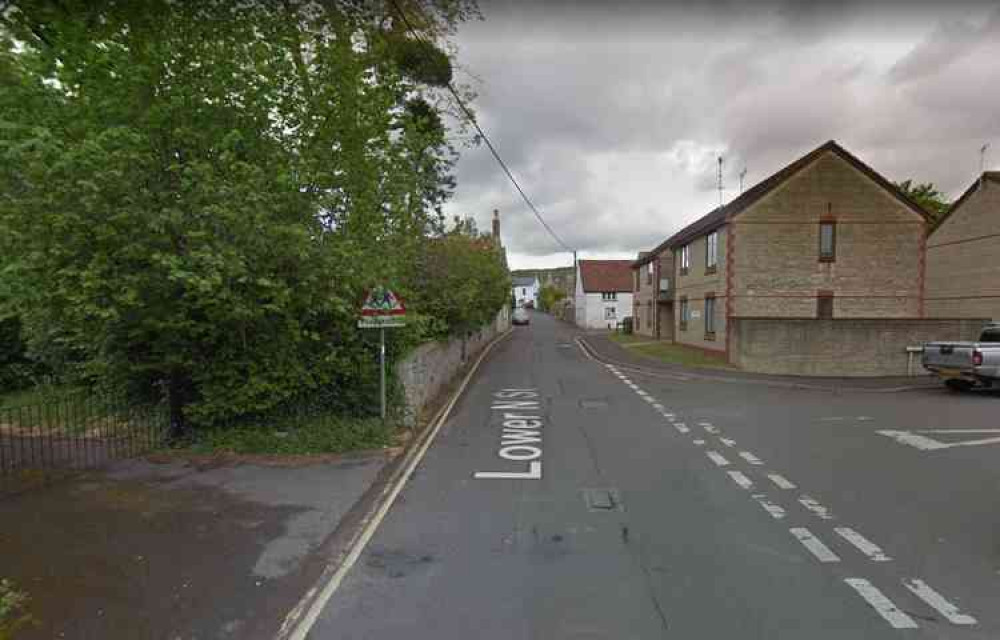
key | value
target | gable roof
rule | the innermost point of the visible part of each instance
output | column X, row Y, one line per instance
column 606, row 275
column 992, row 176
column 721, row 215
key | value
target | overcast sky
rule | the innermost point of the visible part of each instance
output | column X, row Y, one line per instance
column 612, row 115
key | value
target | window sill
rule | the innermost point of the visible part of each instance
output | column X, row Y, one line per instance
column 827, row 258
column 710, row 270
column 710, row 337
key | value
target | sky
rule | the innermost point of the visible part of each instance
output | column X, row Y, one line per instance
column 612, row 115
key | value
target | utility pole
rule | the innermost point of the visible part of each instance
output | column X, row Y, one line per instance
column 982, row 162
column 743, row 174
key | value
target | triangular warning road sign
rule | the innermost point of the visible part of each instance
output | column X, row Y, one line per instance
column 380, row 301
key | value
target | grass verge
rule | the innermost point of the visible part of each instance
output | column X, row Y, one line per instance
column 322, row 433
column 671, row 353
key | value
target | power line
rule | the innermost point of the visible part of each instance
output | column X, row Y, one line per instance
column 472, row 119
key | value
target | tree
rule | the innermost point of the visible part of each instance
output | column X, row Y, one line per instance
column 196, row 195
column 927, row 196
column 549, row 297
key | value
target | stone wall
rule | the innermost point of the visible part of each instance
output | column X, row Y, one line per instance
column 852, row 347
column 425, row 372
column 694, row 286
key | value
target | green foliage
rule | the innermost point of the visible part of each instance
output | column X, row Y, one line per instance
column 321, row 433
column 549, row 296
column 13, row 610
column 927, row 196
column 195, row 196
column 422, row 61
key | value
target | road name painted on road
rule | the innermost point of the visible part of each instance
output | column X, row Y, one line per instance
column 520, row 436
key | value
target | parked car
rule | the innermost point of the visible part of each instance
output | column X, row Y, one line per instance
column 964, row 365
column 520, row 316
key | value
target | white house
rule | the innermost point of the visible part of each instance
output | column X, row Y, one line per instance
column 525, row 290
column 603, row 293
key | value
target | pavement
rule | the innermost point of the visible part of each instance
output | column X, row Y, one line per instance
column 607, row 350
column 568, row 498
column 181, row 549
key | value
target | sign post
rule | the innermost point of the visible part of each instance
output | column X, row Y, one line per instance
column 382, row 309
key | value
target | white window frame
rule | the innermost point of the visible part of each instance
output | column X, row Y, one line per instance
column 712, row 250
column 610, row 313
column 609, row 296
column 686, row 257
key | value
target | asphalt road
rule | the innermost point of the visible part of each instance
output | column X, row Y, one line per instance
column 736, row 511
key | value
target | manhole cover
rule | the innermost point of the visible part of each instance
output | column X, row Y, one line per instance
column 602, row 499
column 593, row 403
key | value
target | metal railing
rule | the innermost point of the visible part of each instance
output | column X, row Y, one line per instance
column 75, row 432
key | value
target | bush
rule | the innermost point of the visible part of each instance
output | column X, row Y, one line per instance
column 13, row 610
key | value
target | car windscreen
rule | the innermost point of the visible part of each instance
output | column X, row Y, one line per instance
column 990, row 335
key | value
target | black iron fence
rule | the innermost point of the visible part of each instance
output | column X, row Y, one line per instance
column 79, row 431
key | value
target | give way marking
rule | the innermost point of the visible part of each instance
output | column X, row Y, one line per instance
column 920, row 441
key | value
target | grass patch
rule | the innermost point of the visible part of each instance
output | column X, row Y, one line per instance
column 671, row 353
column 322, row 433
column 40, row 395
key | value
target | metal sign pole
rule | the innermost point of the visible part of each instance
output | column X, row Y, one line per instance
column 381, row 361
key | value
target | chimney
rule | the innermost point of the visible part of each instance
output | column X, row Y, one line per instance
column 496, row 227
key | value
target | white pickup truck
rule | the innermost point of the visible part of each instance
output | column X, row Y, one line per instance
column 964, row 365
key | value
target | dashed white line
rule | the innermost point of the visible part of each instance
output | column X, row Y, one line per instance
column 751, row 458
column 658, row 406
column 780, row 481
column 709, row 427
column 814, row 545
column 863, row 544
column 728, row 442
column 814, row 506
column 740, row 478
column 717, row 458
column 881, row 604
column 649, row 399
column 773, row 509
column 641, row 392
column 699, row 442
column 683, row 428
column 669, row 416
column 923, row 591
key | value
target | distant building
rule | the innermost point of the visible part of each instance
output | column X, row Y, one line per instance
column 963, row 255
column 525, row 291
column 603, row 293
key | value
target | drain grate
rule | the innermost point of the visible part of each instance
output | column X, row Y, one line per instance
column 602, row 499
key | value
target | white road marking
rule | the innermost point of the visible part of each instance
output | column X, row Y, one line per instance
column 780, row 481
column 923, row 591
column 709, row 427
column 863, row 544
column 881, row 604
column 773, row 509
column 649, row 399
column 641, row 392
column 751, row 458
column 728, row 442
column 681, row 427
column 914, row 440
column 699, row 442
column 813, row 505
column 740, row 479
column 814, row 545
column 669, row 416
column 658, row 406
column 717, row 458
column 924, row 443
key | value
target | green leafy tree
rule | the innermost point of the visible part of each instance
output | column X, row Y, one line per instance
column 926, row 195
column 195, row 195
column 549, row 297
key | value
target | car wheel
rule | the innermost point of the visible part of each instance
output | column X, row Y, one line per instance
column 958, row 386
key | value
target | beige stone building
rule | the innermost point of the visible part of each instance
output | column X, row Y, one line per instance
column 826, row 237
column 963, row 255
column 653, row 299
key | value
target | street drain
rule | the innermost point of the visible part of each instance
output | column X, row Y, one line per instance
column 602, row 499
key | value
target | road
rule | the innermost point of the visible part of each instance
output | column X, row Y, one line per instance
column 684, row 509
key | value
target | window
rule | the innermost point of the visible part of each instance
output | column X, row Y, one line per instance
column 609, row 313
column 685, row 259
column 609, row 295
column 524, row 291
column 684, row 314
column 824, row 305
column 710, row 317
column 711, row 252
column 649, row 273
column 827, row 241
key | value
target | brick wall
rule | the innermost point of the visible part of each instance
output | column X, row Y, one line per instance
column 963, row 259
column 698, row 282
column 852, row 347
column 425, row 371
column 776, row 266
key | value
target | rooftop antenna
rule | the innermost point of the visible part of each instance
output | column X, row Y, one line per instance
column 743, row 174
column 720, row 182
column 982, row 162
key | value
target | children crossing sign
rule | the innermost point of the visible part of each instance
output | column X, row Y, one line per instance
column 382, row 308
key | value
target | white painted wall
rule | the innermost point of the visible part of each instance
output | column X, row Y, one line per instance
column 595, row 314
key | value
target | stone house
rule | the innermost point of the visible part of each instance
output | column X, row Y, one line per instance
column 653, row 302
column 603, row 293
column 963, row 255
column 826, row 237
